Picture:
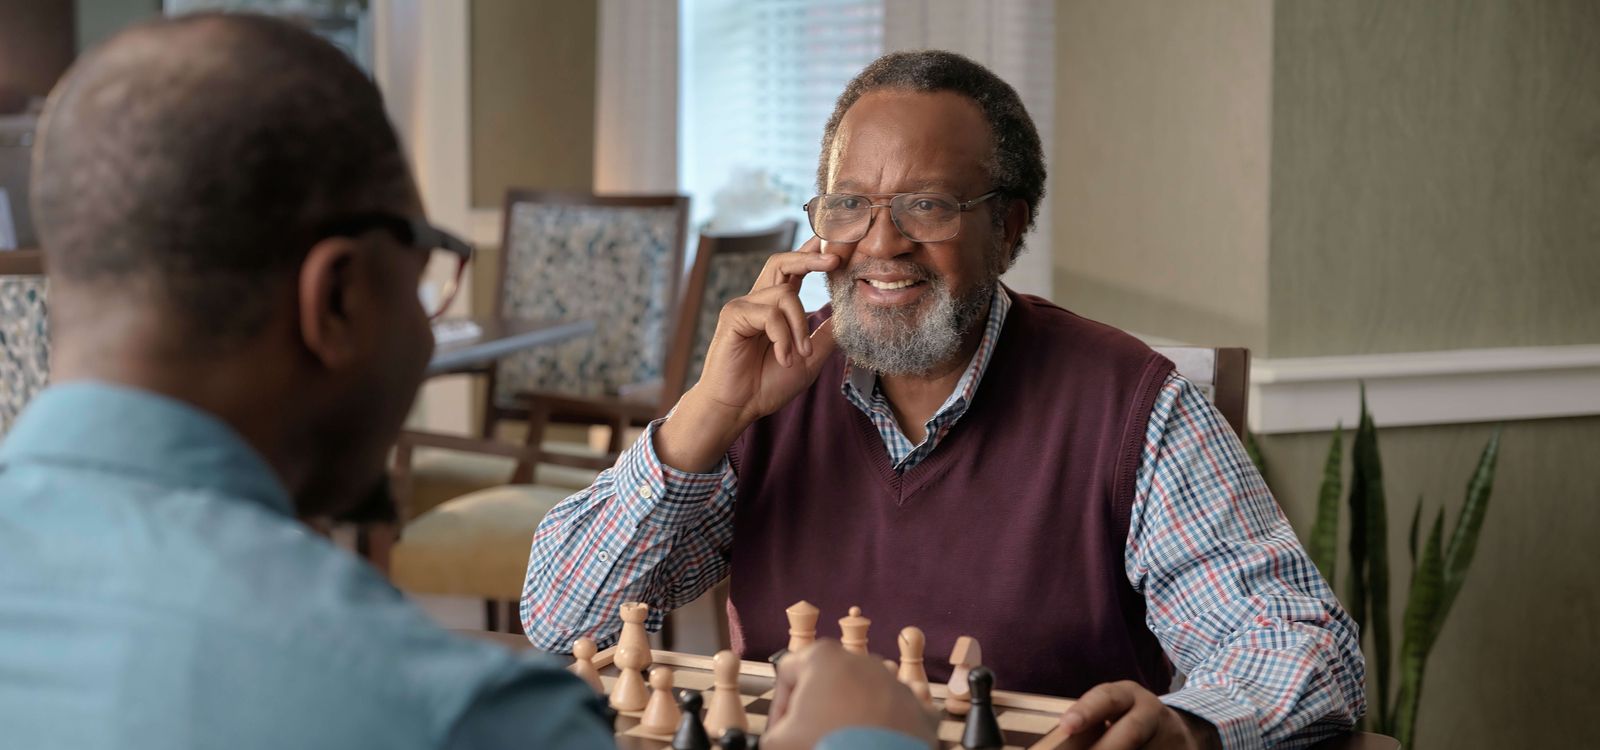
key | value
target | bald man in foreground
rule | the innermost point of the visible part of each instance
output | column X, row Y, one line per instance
column 234, row 246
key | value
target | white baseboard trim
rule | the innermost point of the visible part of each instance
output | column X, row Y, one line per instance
column 1313, row 394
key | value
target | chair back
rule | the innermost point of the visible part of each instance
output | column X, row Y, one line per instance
column 725, row 267
column 615, row 261
column 24, row 333
column 1222, row 374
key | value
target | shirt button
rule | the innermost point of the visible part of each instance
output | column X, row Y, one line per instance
column 605, row 556
column 645, row 492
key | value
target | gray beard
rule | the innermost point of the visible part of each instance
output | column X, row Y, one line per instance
column 908, row 340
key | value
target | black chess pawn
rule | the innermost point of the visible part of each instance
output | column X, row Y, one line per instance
column 777, row 656
column 691, row 734
column 733, row 738
column 983, row 728
column 608, row 713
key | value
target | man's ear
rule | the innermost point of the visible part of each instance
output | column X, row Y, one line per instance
column 327, row 287
column 1016, row 224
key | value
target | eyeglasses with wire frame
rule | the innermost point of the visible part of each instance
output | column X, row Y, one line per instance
column 921, row 217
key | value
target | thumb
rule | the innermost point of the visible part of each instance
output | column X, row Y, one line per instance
column 822, row 346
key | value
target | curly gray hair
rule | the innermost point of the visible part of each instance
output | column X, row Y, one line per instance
column 1017, row 165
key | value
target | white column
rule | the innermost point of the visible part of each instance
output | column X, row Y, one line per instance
column 636, row 104
column 1015, row 39
column 421, row 61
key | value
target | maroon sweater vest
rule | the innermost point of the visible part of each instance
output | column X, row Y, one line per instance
column 1012, row 530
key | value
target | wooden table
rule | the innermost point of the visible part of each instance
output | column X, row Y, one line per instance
column 1351, row 741
column 500, row 337
column 21, row 262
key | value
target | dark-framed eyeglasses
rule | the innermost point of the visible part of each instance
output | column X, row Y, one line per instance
column 447, row 260
column 921, row 217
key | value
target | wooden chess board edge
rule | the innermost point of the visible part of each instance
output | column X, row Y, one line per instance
column 1002, row 698
column 1055, row 740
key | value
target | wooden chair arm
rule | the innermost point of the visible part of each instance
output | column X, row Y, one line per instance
column 648, row 391
column 600, row 408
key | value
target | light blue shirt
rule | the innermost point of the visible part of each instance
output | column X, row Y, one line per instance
column 157, row 592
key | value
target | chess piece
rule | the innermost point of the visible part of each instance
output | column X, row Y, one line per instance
column 661, row 715
column 691, row 734
column 633, row 633
column 912, row 642
column 982, row 731
column 583, row 663
column 853, row 631
column 733, row 739
column 891, row 666
column 964, row 657
column 609, row 714
column 629, row 693
column 802, row 624
column 726, row 710
column 924, row 693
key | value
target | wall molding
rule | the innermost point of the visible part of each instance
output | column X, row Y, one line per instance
column 1314, row 394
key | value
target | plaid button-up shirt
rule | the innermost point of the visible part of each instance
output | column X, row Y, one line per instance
column 1268, row 654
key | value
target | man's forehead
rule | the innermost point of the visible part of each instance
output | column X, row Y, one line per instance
column 915, row 140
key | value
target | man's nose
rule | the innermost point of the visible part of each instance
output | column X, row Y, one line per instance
column 884, row 239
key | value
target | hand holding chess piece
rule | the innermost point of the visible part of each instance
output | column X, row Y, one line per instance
column 825, row 688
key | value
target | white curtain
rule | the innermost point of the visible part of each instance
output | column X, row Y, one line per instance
column 636, row 103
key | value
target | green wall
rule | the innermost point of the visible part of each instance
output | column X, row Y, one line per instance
column 1434, row 175
column 1515, row 665
column 533, row 96
column 1432, row 181
column 98, row 19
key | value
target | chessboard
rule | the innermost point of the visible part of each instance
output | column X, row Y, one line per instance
column 1029, row 721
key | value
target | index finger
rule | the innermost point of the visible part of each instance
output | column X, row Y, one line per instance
column 1103, row 703
column 789, row 269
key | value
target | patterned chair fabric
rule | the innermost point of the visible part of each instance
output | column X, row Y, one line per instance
column 730, row 277
column 24, row 344
column 614, row 265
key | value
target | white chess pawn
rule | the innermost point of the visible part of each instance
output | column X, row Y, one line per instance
column 629, row 693
column 727, row 710
column 583, row 663
column 661, row 716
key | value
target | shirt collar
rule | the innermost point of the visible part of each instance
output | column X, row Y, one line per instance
column 116, row 429
column 860, row 383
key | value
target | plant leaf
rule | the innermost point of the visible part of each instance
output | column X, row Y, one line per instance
column 1367, row 481
column 1422, row 611
column 1325, row 532
column 1464, row 542
column 1415, row 514
column 1253, row 450
column 1356, row 595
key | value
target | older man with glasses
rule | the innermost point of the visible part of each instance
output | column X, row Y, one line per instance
column 947, row 453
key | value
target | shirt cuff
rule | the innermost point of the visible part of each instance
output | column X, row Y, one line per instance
column 862, row 738
column 1235, row 722
column 657, row 493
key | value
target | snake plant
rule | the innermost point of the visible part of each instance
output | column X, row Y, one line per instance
column 1437, row 573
